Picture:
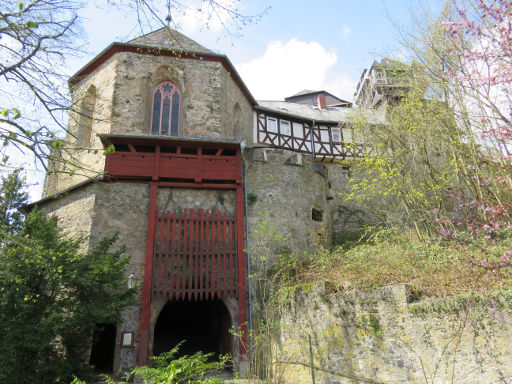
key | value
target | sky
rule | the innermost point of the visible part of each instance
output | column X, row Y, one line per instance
column 295, row 45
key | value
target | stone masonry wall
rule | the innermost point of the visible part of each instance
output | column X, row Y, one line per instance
column 377, row 337
column 74, row 213
column 208, row 95
column 347, row 216
column 123, row 208
column 81, row 163
column 104, row 209
column 283, row 188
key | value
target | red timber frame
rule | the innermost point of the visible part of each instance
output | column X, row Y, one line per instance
column 302, row 141
column 162, row 162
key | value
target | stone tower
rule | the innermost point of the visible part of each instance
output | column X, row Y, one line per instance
column 167, row 147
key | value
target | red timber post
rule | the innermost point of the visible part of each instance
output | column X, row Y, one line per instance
column 242, row 289
column 148, row 277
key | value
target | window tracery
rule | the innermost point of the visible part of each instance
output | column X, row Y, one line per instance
column 166, row 109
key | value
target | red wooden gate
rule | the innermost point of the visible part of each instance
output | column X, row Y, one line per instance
column 195, row 255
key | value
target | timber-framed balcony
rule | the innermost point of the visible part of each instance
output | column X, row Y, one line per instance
column 171, row 159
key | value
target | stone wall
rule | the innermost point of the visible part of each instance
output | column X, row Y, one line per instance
column 97, row 210
column 123, row 208
column 74, row 213
column 377, row 337
column 347, row 216
column 283, row 189
column 208, row 96
column 74, row 163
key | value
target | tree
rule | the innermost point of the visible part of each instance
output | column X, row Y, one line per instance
column 465, row 56
column 36, row 38
column 409, row 165
column 52, row 295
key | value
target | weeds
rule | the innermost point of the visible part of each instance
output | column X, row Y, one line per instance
column 389, row 257
column 189, row 369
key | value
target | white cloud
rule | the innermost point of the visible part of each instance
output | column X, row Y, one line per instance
column 287, row 68
column 340, row 84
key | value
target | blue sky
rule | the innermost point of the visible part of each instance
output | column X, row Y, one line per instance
column 297, row 44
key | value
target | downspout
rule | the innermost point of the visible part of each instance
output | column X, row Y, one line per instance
column 247, row 250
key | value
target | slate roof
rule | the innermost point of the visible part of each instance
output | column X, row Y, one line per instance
column 308, row 96
column 170, row 38
column 303, row 92
column 310, row 112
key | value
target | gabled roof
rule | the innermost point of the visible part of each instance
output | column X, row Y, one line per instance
column 170, row 38
column 164, row 42
column 302, row 93
column 308, row 96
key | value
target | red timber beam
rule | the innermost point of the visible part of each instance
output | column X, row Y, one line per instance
column 180, row 164
column 148, row 276
column 242, row 289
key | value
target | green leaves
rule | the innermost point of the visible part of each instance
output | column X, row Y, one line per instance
column 31, row 24
column 51, row 293
column 110, row 149
column 168, row 369
column 13, row 113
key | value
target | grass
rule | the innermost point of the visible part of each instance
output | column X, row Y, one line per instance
column 429, row 268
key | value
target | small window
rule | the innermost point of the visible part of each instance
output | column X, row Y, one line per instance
column 285, row 127
column 317, row 214
column 271, row 124
column 166, row 108
column 336, row 135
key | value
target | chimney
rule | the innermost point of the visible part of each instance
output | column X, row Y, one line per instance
column 321, row 102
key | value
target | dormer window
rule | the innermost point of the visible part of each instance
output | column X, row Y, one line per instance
column 166, row 109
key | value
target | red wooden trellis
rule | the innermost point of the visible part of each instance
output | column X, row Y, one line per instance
column 195, row 255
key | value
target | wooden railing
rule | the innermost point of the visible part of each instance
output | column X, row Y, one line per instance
column 187, row 162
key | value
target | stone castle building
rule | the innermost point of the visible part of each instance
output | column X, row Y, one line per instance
column 167, row 146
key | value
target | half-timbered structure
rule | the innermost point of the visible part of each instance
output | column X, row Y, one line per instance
column 164, row 147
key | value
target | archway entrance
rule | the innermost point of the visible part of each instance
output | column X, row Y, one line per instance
column 204, row 325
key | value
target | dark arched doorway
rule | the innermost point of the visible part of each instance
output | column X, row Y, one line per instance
column 103, row 348
column 204, row 325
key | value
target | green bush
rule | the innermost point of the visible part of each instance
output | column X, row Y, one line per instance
column 188, row 369
column 52, row 295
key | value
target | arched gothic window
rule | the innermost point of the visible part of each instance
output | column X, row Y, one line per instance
column 166, row 109
column 85, row 122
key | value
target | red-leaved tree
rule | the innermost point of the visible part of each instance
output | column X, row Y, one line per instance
column 477, row 68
